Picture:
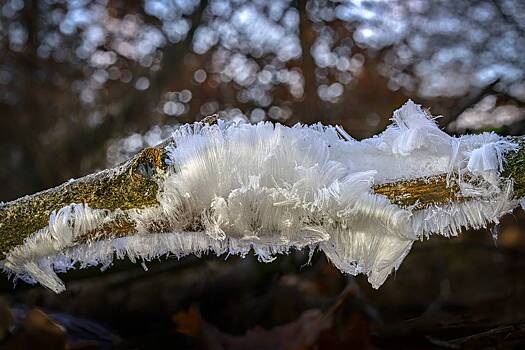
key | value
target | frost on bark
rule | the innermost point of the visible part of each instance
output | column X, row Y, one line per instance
column 436, row 190
column 230, row 188
column 130, row 185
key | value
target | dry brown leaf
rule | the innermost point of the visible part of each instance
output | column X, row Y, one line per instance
column 189, row 323
column 314, row 329
column 38, row 331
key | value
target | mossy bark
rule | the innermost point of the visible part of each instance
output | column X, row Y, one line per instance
column 134, row 185
column 436, row 190
column 130, row 185
column 422, row 192
column 515, row 167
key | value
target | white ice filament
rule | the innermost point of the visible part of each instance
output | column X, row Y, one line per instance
column 236, row 188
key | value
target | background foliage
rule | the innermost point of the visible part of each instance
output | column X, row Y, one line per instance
column 86, row 83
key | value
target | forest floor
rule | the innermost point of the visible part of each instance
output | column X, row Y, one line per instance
column 463, row 293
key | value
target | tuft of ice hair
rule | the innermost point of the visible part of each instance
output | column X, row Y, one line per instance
column 487, row 160
column 235, row 188
column 34, row 260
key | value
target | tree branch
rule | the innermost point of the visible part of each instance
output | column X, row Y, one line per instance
column 436, row 190
column 130, row 185
column 133, row 185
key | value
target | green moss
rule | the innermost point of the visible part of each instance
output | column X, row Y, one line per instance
column 131, row 185
column 515, row 167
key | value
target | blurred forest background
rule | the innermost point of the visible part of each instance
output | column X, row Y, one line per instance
column 86, row 83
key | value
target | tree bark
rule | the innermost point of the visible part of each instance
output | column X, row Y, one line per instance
column 130, row 185
column 436, row 190
column 133, row 185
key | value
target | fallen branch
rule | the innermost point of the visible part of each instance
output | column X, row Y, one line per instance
column 167, row 199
